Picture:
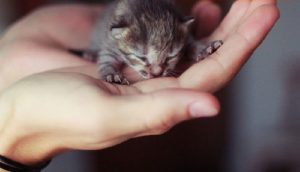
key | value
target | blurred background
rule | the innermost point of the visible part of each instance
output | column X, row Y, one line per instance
column 257, row 131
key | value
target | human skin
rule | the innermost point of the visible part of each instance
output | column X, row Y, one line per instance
column 51, row 101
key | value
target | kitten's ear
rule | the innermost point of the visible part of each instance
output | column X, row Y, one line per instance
column 188, row 21
column 119, row 32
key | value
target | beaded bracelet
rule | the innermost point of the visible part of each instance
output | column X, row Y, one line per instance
column 13, row 166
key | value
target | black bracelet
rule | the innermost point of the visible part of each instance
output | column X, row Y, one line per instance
column 13, row 166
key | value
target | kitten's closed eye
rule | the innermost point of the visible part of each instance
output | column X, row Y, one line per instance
column 144, row 59
column 172, row 57
column 144, row 73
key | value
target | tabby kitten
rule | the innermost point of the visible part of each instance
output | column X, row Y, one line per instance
column 147, row 35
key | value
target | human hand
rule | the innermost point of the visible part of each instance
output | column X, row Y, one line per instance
column 49, row 113
column 45, row 48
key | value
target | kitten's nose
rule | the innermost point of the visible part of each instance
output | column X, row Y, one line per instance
column 156, row 70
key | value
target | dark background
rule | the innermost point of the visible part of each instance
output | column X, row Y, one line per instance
column 257, row 131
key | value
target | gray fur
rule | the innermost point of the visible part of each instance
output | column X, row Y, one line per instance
column 147, row 35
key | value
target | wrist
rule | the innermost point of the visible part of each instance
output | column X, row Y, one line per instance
column 4, row 111
column 20, row 143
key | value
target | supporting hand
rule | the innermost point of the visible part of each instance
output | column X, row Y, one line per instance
column 69, row 109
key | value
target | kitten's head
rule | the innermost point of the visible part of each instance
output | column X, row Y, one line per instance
column 152, row 37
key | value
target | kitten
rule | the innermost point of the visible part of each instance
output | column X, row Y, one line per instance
column 149, row 36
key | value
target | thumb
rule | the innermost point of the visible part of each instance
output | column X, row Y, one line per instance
column 157, row 112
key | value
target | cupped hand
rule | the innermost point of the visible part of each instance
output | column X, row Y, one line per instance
column 69, row 109
column 48, row 113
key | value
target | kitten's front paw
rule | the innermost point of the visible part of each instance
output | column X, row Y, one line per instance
column 116, row 78
column 209, row 50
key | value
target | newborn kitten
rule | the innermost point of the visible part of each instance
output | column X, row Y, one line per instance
column 149, row 36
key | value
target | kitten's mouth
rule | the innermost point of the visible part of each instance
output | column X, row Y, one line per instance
column 148, row 76
column 145, row 75
column 151, row 76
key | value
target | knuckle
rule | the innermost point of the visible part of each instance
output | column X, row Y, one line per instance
column 157, row 127
column 164, row 127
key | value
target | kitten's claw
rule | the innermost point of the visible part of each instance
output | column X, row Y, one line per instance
column 209, row 50
column 214, row 46
column 117, row 79
column 125, row 82
column 109, row 78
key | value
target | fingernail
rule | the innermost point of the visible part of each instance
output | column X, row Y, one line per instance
column 201, row 109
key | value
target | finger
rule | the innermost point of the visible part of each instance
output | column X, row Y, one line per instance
column 62, row 25
column 231, row 20
column 221, row 67
column 258, row 3
column 157, row 112
column 240, row 10
column 208, row 17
